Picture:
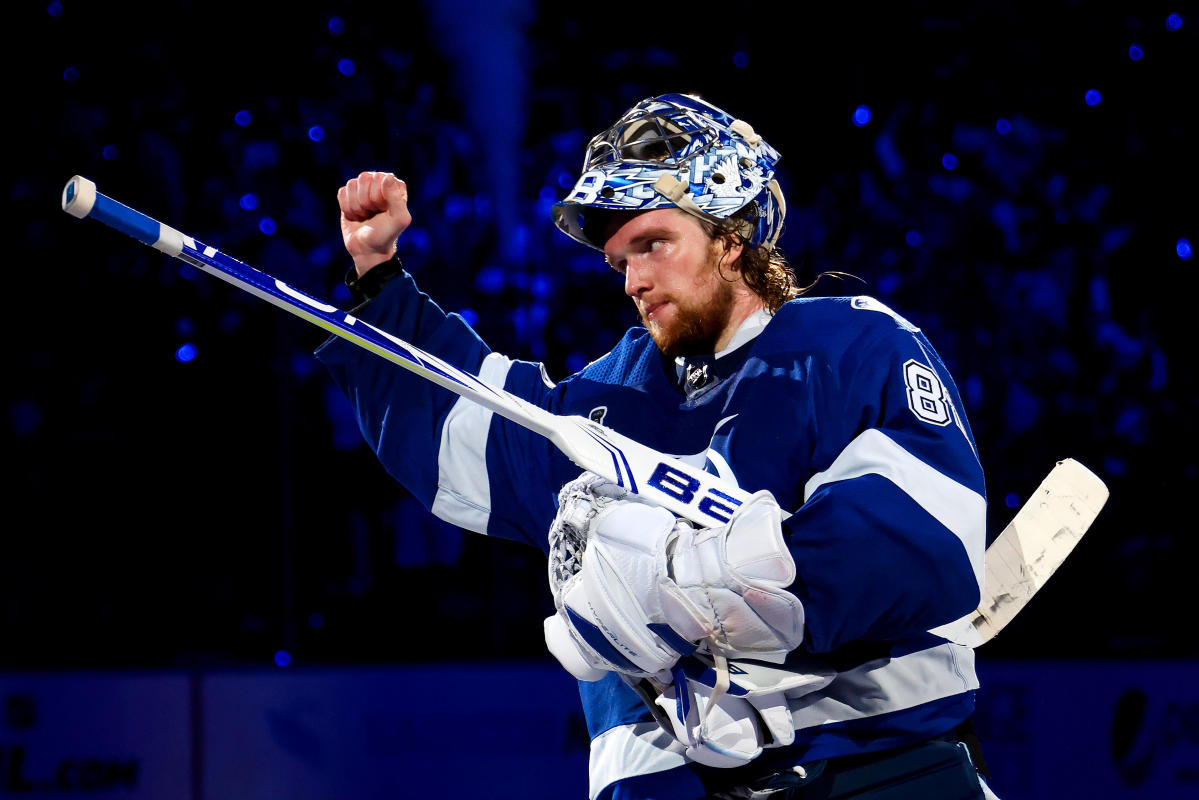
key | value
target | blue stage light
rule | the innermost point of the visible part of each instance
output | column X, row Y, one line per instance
column 1093, row 97
column 890, row 282
column 248, row 201
column 491, row 280
column 949, row 161
column 541, row 285
column 470, row 315
column 110, row 152
column 861, row 115
column 740, row 60
column 1174, row 22
column 1003, row 127
column 54, row 9
column 316, row 621
column 346, row 66
column 913, row 238
column 1183, row 249
column 316, row 133
column 242, row 118
column 1012, row 500
column 186, row 353
column 337, row 26
column 1135, row 52
column 267, row 226
column 418, row 239
column 282, row 658
column 70, row 74
column 575, row 362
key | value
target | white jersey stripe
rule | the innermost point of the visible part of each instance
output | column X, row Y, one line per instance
column 900, row 683
column 868, row 690
column 627, row 751
column 959, row 508
column 463, row 492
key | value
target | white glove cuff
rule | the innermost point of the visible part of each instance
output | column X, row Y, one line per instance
column 728, row 585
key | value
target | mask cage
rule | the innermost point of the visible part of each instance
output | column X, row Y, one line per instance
column 651, row 137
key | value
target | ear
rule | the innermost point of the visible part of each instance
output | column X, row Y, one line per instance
column 731, row 246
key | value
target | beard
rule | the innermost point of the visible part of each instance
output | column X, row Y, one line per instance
column 698, row 321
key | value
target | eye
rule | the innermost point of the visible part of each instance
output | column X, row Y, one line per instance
column 656, row 244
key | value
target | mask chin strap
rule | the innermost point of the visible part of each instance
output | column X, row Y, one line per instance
column 677, row 192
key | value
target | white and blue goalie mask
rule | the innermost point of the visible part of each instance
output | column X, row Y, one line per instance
column 678, row 151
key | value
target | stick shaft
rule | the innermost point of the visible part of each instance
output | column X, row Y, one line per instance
column 685, row 490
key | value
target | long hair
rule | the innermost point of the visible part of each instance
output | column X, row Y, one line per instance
column 766, row 272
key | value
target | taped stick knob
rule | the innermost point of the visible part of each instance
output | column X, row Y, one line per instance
column 79, row 197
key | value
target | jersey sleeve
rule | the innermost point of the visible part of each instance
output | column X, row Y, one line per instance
column 467, row 465
column 890, row 538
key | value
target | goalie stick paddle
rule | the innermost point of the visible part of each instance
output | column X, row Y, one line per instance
column 1036, row 542
column 1030, row 549
column 1018, row 563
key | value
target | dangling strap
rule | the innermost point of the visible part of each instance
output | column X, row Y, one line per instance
column 777, row 193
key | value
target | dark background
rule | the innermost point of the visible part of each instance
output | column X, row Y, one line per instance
column 184, row 486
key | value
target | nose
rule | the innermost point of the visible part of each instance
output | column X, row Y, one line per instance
column 636, row 278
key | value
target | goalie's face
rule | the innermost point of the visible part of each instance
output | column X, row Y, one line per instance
column 685, row 284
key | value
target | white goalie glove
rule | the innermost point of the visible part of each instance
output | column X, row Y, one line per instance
column 664, row 604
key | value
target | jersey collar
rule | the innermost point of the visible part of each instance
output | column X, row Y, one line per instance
column 695, row 373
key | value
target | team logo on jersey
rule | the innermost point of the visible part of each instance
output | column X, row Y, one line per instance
column 866, row 303
column 597, row 414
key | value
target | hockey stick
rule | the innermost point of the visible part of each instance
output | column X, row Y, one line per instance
column 686, row 491
column 1018, row 563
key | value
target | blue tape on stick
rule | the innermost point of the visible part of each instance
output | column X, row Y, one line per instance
column 125, row 219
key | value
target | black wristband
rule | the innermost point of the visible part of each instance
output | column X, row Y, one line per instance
column 367, row 287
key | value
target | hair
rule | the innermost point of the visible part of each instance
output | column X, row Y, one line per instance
column 765, row 272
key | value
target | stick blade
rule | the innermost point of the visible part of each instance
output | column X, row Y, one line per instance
column 1036, row 542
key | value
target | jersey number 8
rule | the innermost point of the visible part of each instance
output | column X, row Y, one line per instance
column 926, row 394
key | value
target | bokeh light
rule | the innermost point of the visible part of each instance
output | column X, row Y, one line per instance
column 186, row 353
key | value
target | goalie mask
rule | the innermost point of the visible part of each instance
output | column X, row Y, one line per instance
column 678, row 151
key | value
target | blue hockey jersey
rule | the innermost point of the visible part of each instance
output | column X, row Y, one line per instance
column 838, row 406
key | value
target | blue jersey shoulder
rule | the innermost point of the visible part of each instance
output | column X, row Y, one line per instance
column 627, row 364
column 835, row 326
